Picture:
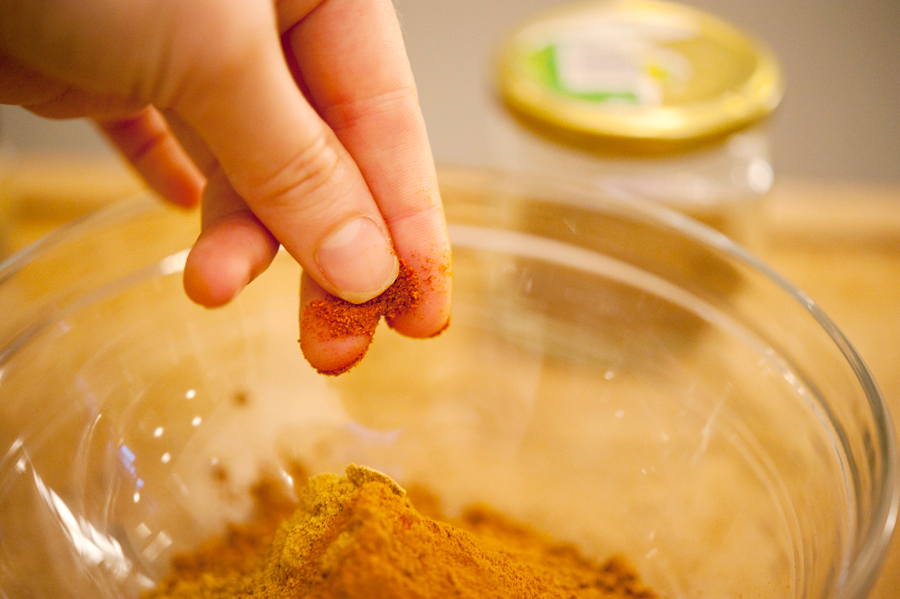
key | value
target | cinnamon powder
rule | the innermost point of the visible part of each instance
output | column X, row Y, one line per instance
column 359, row 537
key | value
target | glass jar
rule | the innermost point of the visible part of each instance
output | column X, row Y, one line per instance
column 642, row 100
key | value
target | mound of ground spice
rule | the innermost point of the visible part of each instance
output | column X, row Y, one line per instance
column 335, row 318
column 359, row 537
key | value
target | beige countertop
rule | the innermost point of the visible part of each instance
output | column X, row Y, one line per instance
column 838, row 242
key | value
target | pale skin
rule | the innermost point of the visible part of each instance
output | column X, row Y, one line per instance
column 293, row 123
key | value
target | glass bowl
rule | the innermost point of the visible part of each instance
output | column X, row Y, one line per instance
column 615, row 375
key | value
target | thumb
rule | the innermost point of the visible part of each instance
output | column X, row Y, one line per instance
column 287, row 165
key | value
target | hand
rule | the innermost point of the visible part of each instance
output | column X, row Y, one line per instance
column 297, row 122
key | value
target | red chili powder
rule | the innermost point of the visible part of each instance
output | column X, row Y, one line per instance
column 336, row 318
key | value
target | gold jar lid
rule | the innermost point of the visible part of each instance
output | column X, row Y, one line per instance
column 636, row 75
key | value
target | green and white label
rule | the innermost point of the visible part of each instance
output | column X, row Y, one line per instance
column 613, row 62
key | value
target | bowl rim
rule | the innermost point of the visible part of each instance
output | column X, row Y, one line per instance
column 869, row 548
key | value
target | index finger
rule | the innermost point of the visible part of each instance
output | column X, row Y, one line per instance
column 353, row 64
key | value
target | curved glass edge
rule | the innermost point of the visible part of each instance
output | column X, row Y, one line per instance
column 119, row 210
column 886, row 498
column 875, row 541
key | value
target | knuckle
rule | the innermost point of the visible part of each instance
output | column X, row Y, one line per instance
column 393, row 105
column 305, row 173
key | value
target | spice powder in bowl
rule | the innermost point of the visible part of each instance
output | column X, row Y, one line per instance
column 359, row 536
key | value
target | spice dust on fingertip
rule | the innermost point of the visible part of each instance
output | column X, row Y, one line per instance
column 333, row 318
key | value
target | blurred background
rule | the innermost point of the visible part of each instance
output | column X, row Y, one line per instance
column 840, row 119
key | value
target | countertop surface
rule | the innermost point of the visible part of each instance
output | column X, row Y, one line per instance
column 837, row 241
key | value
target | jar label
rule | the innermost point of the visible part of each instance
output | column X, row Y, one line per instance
column 613, row 59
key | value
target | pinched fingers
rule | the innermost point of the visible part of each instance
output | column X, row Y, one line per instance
column 354, row 69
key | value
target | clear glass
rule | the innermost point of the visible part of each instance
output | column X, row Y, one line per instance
column 721, row 183
column 615, row 375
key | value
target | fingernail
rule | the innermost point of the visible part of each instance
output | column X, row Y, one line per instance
column 358, row 260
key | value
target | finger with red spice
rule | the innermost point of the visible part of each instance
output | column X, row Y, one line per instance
column 335, row 334
column 346, row 54
column 431, row 313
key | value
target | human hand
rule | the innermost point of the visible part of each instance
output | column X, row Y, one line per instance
column 297, row 122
